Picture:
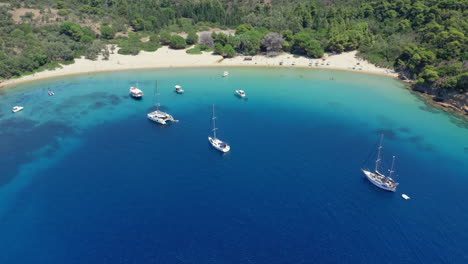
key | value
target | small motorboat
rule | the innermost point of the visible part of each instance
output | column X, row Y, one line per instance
column 179, row 89
column 241, row 93
column 136, row 93
column 50, row 92
column 406, row 197
column 17, row 108
column 225, row 74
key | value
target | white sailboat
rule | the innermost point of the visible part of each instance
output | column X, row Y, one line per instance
column 160, row 116
column 214, row 141
column 379, row 179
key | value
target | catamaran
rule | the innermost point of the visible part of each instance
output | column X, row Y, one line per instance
column 379, row 179
column 214, row 141
column 135, row 92
column 160, row 116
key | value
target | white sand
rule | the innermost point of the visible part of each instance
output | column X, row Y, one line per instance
column 168, row 58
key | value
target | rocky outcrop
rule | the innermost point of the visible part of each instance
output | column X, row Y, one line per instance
column 456, row 101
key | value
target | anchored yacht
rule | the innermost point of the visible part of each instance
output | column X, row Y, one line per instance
column 160, row 116
column 379, row 179
column 225, row 74
column 214, row 141
column 241, row 93
column 135, row 92
column 17, row 108
column 179, row 89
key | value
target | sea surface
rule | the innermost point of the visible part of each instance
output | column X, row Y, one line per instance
column 85, row 177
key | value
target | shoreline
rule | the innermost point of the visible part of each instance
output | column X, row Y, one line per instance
column 166, row 58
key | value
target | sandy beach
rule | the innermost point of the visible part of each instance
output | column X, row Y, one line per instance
column 169, row 58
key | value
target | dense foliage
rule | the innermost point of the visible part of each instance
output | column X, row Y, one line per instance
column 424, row 40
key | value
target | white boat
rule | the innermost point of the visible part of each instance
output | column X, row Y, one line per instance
column 225, row 74
column 214, row 141
column 406, row 197
column 179, row 89
column 135, row 92
column 379, row 179
column 17, row 108
column 50, row 92
column 160, row 116
column 241, row 93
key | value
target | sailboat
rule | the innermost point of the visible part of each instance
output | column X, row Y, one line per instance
column 160, row 116
column 214, row 141
column 379, row 179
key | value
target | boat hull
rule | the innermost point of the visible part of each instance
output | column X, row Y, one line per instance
column 214, row 142
column 160, row 117
column 16, row 109
column 240, row 93
column 136, row 93
column 372, row 178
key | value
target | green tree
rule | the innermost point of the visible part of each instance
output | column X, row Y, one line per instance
column 107, row 32
column 219, row 49
column 192, row 38
column 305, row 45
column 155, row 38
column 177, row 42
column 165, row 38
column 229, row 51
column 71, row 29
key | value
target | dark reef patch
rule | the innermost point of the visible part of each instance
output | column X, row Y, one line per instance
column 385, row 121
column 114, row 99
column 404, row 130
column 416, row 139
column 388, row 133
column 19, row 138
column 459, row 122
column 97, row 105
column 430, row 109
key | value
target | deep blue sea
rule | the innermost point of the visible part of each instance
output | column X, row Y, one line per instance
column 85, row 177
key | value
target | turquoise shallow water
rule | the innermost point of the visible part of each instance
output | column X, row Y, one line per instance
column 86, row 178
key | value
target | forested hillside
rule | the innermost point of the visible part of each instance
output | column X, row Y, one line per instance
column 423, row 40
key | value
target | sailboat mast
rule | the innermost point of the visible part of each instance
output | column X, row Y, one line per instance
column 377, row 162
column 391, row 169
column 214, row 122
column 157, row 96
